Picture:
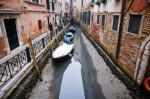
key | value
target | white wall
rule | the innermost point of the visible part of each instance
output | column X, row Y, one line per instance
column 109, row 6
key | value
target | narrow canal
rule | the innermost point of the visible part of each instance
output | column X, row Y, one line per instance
column 77, row 77
column 74, row 78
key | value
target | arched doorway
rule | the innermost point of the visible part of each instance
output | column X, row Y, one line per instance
column 143, row 62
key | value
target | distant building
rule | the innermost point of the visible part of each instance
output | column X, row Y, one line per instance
column 77, row 10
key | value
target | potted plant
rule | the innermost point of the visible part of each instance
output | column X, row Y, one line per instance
column 92, row 5
column 103, row 1
column 98, row 2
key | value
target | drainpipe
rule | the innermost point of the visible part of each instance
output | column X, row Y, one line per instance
column 120, row 29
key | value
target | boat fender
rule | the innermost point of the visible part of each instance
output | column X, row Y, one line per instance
column 146, row 84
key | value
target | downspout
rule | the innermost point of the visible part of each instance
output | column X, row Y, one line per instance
column 120, row 27
column 120, row 30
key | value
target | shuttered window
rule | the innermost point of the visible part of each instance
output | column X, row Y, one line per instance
column 103, row 20
column 134, row 23
column 115, row 22
column 85, row 17
column 98, row 16
column 53, row 6
column 80, row 16
column 47, row 3
column 88, row 17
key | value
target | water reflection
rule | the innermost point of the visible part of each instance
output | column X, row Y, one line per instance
column 72, row 87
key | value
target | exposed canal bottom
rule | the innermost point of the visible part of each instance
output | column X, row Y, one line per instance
column 75, row 78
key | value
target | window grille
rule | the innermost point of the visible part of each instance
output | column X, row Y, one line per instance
column 103, row 20
column 134, row 23
column 115, row 22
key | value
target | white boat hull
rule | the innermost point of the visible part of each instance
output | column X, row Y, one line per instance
column 62, row 51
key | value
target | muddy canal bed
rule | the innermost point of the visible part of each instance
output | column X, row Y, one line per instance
column 83, row 76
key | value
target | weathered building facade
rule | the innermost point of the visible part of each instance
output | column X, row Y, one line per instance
column 121, row 27
column 19, row 18
column 77, row 10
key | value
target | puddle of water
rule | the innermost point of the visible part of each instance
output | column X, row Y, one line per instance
column 72, row 87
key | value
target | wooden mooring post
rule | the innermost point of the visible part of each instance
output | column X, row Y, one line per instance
column 55, row 35
column 33, row 57
column 49, row 40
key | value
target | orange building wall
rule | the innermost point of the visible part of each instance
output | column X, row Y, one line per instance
column 11, row 4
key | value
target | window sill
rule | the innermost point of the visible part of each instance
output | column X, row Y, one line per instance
column 34, row 3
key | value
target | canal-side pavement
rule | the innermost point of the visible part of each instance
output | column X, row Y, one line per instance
column 111, row 86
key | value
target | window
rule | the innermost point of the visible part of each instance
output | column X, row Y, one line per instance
column 93, row 1
column 53, row 6
column 134, row 23
column 98, row 16
column 85, row 18
column 115, row 22
column 103, row 20
column 92, row 18
column 88, row 18
column 82, row 2
column 80, row 16
column 36, row 1
column 47, row 3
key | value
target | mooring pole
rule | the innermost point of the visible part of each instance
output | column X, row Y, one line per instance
column 33, row 57
column 49, row 40
column 55, row 35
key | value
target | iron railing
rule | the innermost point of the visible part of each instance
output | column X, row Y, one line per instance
column 11, row 67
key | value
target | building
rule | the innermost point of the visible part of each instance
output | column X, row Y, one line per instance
column 77, row 10
column 19, row 18
column 121, row 27
column 65, row 8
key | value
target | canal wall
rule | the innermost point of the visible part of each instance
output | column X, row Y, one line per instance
column 119, row 72
column 27, row 82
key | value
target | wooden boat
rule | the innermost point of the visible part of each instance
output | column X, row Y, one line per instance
column 63, row 52
column 72, row 29
column 68, row 36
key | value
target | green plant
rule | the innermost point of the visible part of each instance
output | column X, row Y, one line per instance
column 98, row 2
column 92, row 5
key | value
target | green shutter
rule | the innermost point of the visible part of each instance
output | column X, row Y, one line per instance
column 88, row 19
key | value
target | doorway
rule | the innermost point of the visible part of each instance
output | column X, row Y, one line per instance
column 10, row 26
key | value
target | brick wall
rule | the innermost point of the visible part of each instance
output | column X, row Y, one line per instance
column 130, row 43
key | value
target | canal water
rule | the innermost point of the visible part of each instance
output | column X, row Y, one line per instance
column 75, row 78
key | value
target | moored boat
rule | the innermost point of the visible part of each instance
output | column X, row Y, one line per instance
column 63, row 52
column 72, row 29
column 68, row 36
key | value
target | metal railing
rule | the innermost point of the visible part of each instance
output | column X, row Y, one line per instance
column 11, row 67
